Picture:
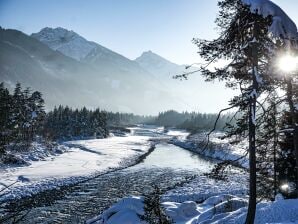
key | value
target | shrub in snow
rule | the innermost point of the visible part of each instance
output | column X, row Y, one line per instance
column 279, row 197
column 23, row 179
column 136, row 210
column 12, row 160
column 181, row 211
column 228, row 205
column 154, row 213
column 126, row 211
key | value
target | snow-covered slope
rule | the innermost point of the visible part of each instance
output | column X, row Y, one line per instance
column 61, row 79
column 77, row 47
column 157, row 65
column 104, row 79
column 71, row 70
column 67, row 42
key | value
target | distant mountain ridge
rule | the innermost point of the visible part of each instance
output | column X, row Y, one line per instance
column 75, row 46
column 158, row 65
column 99, row 78
column 73, row 71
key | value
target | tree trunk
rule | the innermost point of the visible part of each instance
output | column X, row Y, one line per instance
column 294, row 125
column 252, row 135
column 252, row 164
column 275, row 141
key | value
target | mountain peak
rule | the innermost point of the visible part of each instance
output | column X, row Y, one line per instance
column 66, row 41
column 149, row 53
column 156, row 64
column 149, row 57
column 49, row 34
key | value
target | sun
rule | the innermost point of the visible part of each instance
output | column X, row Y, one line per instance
column 288, row 63
column 284, row 187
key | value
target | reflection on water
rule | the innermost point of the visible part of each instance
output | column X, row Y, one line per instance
column 171, row 156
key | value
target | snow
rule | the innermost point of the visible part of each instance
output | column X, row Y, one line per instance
column 216, row 197
column 127, row 211
column 222, row 208
column 281, row 211
column 203, row 187
column 67, row 42
column 282, row 26
column 82, row 159
column 130, row 209
column 33, row 114
column 217, row 149
column 181, row 212
column 257, row 75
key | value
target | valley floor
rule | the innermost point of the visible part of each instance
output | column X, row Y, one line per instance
column 200, row 200
column 206, row 201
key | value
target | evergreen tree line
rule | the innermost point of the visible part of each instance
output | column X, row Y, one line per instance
column 66, row 123
column 116, row 119
column 191, row 121
column 23, row 118
column 21, row 115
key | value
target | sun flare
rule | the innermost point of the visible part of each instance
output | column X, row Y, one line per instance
column 288, row 63
column 284, row 187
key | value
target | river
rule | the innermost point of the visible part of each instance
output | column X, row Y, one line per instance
column 167, row 166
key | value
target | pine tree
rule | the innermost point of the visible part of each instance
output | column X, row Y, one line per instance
column 245, row 43
column 5, row 117
column 18, row 113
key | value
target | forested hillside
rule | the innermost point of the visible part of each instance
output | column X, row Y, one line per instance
column 192, row 121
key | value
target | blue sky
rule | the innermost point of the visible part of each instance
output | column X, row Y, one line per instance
column 126, row 26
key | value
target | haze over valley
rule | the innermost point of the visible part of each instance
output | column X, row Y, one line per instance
column 70, row 70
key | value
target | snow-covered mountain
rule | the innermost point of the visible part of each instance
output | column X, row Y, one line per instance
column 77, row 47
column 158, row 66
column 102, row 78
column 73, row 71
column 67, row 42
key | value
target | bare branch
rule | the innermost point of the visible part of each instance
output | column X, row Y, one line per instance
column 215, row 124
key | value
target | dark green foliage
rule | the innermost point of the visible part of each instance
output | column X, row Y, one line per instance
column 21, row 116
column 154, row 213
column 5, row 117
column 192, row 122
column 172, row 118
column 286, row 162
column 124, row 119
column 67, row 123
column 267, row 141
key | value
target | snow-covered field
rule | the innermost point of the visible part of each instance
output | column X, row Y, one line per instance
column 80, row 160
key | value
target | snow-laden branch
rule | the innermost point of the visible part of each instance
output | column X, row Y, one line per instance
column 282, row 25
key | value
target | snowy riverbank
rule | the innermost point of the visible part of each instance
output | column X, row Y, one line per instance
column 205, row 200
column 185, row 203
column 217, row 148
column 76, row 162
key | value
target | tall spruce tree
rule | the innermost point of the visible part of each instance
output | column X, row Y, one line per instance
column 5, row 117
column 244, row 42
